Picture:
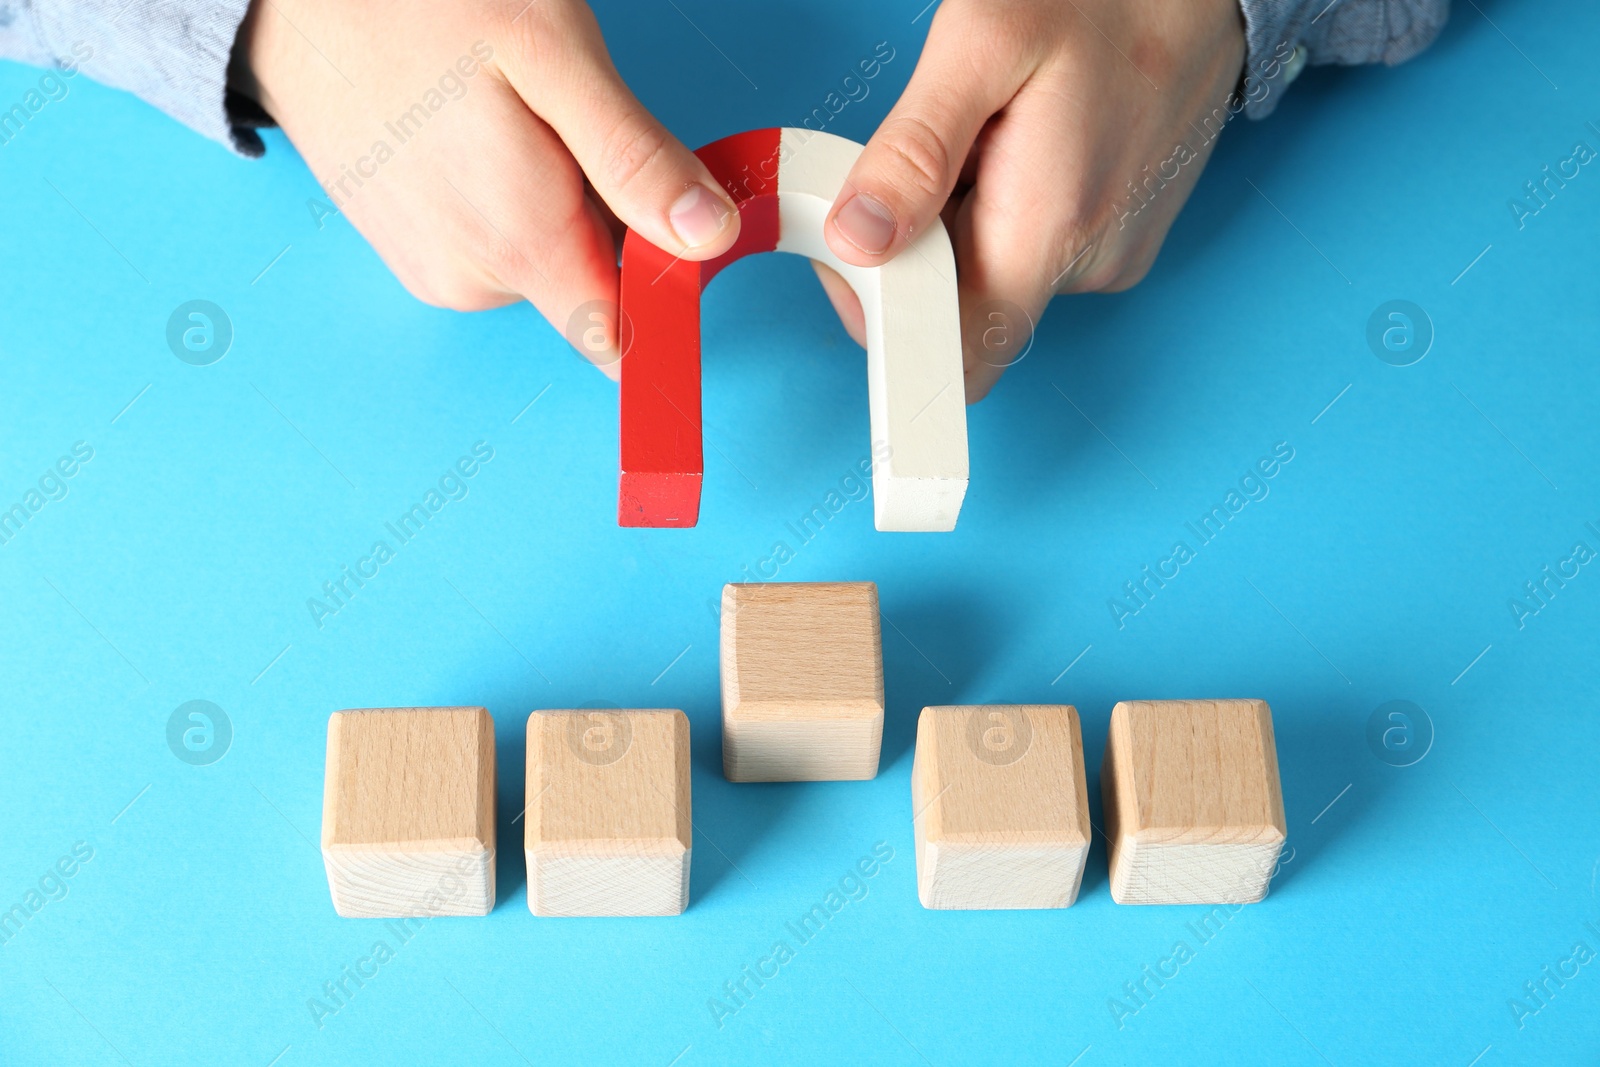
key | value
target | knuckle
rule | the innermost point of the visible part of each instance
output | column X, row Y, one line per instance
column 919, row 157
column 517, row 249
column 508, row 258
column 454, row 293
column 1097, row 277
column 421, row 283
column 632, row 148
column 1131, row 274
column 420, row 289
column 1079, row 259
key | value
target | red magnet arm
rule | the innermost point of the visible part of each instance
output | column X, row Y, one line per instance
column 663, row 463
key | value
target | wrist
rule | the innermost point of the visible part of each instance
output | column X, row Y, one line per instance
column 241, row 65
column 263, row 55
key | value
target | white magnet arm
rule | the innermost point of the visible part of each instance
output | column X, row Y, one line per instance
column 914, row 380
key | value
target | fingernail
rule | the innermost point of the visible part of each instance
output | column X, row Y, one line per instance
column 698, row 217
column 866, row 224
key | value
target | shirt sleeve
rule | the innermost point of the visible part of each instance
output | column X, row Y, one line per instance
column 170, row 53
column 1283, row 35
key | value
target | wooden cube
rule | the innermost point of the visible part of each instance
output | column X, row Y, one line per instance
column 802, row 682
column 1000, row 806
column 408, row 812
column 608, row 830
column 1194, row 810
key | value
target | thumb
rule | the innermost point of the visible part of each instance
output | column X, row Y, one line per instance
column 645, row 175
column 910, row 166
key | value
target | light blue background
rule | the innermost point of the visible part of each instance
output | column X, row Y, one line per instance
column 178, row 567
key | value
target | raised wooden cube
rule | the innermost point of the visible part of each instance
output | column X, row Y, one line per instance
column 608, row 830
column 1000, row 806
column 1194, row 809
column 408, row 812
column 802, row 682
